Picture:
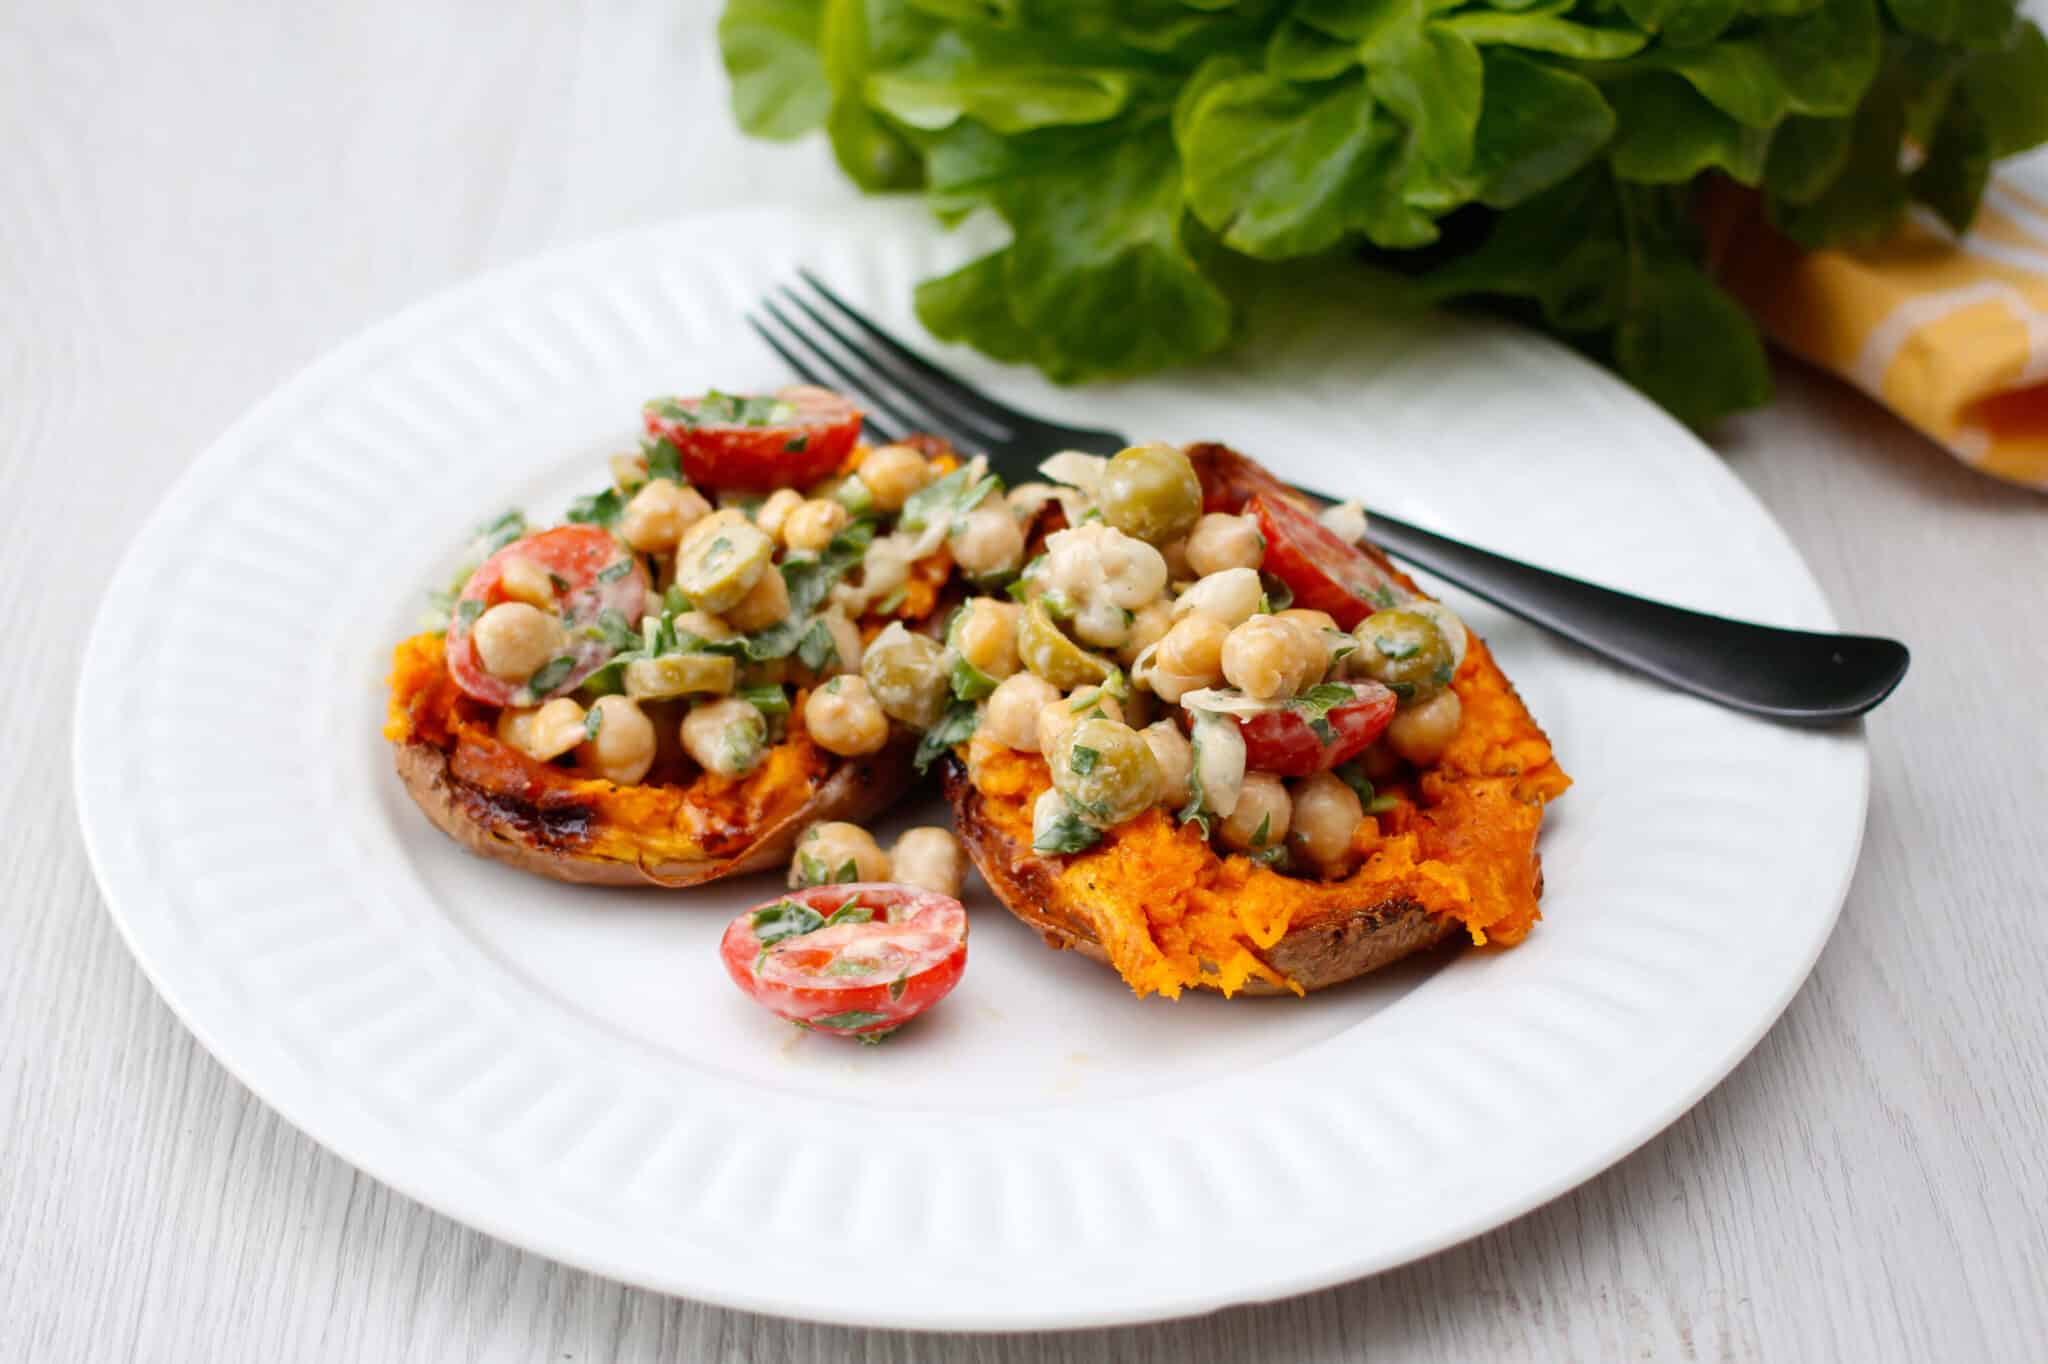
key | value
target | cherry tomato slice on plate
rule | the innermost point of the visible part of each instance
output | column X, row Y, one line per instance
column 600, row 591
column 790, row 439
column 856, row 960
column 1289, row 743
column 1321, row 569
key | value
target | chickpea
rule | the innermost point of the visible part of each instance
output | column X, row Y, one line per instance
column 766, row 602
column 1060, row 716
column 704, row 625
column 1175, row 552
column 1221, row 541
column 812, row 525
column 1101, row 573
column 1321, row 627
column 893, row 473
column 1313, row 620
column 988, row 540
column 930, row 858
column 728, row 738
column 623, row 748
column 1231, row 596
column 521, row 579
column 1148, row 627
column 837, row 851
column 906, row 673
column 1326, row 813
column 658, row 515
column 1176, row 759
column 843, row 717
column 513, row 639
column 1267, row 657
column 715, row 571
column 1013, row 710
column 543, row 734
column 1262, row 816
column 1105, row 770
column 985, row 635
column 773, row 513
column 1422, row 732
column 1194, row 648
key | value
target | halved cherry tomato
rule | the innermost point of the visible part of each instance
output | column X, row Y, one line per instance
column 792, row 439
column 1288, row 743
column 600, row 590
column 1321, row 569
column 855, row 960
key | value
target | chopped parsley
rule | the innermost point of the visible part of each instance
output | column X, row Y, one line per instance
column 550, row 675
column 768, row 700
column 1083, row 759
column 593, row 722
column 664, row 460
column 468, row 609
column 852, row 912
column 1315, row 705
column 785, row 919
column 944, row 501
column 796, row 444
column 970, row 683
column 598, row 509
column 852, row 1018
column 812, row 871
column 816, row 650
column 1065, row 833
column 612, row 572
column 956, row 726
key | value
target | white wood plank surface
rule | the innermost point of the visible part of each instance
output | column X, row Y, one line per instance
column 196, row 200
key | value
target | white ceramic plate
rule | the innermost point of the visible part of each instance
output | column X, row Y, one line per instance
column 570, row 1070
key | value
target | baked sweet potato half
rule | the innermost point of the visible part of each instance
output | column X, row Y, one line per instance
column 1442, row 848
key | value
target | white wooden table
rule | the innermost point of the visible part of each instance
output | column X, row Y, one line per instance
column 197, row 200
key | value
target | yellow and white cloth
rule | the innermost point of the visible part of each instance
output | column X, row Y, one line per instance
column 1952, row 334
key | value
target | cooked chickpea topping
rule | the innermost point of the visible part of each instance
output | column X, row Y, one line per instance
column 893, row 473
column 1262, row 816
column 704, row 527
column 543, row 734
column 1314, row 620
column 1101, row 574
column 1322, row 627
column 1055, row 719
column 715, row 571
column 1013, row 710
column 1194, row 648
column 985, row 635
column 1267, row 657
column 624, row 747
column 773, row 513
column 766, row 602
column 1221, row 541
column 1176, row 759
column 524, row 580
column 1148, row 626
column 1326, row 813
column 1422, row 732
column 1178, row 569
column 704, row 625
column 843, row 717
column 988, row 540
column 658, row 515
column 513, row 639
column 727, row 738
column 1231, row 596
column 812, row 525
column 930, row 858
column 826, row 849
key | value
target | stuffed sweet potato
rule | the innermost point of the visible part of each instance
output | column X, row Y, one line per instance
column 672, row 687
column 1335, row 772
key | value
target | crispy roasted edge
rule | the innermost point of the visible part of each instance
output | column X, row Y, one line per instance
column 1327, row 950
column 545, row 842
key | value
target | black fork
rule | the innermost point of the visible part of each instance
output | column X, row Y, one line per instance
column 1794, row 675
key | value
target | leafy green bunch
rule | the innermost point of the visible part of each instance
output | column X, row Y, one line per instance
column 1151, row 156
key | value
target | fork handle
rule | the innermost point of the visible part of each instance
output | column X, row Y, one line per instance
column 1794, row 675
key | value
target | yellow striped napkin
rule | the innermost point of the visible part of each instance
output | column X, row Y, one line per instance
column 1950, row 333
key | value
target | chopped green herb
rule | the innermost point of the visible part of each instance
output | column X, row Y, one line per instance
column 813, row 872
column 768, row 700
column 852, row 912
column 1381, row 596
column 1353, row 776
column 875, row 1038
column 598, row 509
column 674, row 601
column 956, row 726
column 1278, row 595
column 558, row 582
column 852, row 966
column 1066, row 834
column 611, row 572
column 970, row 683
column 672, row 410
column 550, row 675
column 468, row 609
column 1264, row 833
column 796, row 444
column 1083, row 759
column 1317, row 702
column 664, row 460
column 1396, row 649
column 944, row 501
column 900, row 984
column 816, row 650
column 593, row 722
column 785, row 919
column 893, row 600
column 1379, row 805
column 500, row 531
column 613, row 630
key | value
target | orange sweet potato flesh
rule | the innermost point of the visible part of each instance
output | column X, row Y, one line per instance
column 554, row 822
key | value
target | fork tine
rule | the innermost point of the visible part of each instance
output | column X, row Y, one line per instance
column 900, row 409
column 911, row 375
column 810, row 374
column 943, row 379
